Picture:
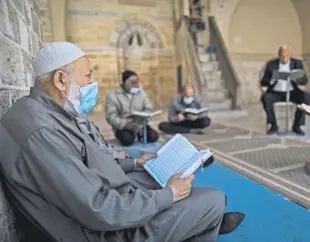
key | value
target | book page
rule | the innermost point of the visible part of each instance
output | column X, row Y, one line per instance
column 196, row 111
column 146, row 114
column 202, row 157
column 178, row 154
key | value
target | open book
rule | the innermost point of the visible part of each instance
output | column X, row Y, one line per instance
column 178, row 155
column 294, row 75
column 196, row 111
column 145, row 114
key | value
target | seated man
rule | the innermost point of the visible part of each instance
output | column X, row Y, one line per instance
column 65, row 182
column 276, row 89
column 120, row 103
column 179, row 122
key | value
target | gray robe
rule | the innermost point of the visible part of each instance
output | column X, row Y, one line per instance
column 62, row 174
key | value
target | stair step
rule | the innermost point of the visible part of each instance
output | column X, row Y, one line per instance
column 209, row 66
column 214, row 84
column 214, row 96
column 201, row 49
column 214, row 75
column 219, row 105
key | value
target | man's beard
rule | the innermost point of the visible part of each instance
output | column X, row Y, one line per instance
column 71, row 98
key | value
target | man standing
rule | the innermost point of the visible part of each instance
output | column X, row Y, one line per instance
column 65, row 182
column 276, row 89
column 179, row 121
column 120, row 104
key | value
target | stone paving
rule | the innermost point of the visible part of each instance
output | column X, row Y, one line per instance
column 273, row 161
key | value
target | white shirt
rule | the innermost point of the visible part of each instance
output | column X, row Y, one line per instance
column 281, row 84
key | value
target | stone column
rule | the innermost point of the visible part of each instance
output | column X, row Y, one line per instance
column 58, row 9
column 20, row 40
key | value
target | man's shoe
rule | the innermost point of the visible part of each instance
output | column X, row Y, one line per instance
column 230, row 222
column 297, row 130
column 195, row 131
column 273, row 129
column 209, row 161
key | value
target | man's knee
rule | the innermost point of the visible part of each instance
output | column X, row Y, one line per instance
column 125, row 138
column 164, row 126
column 202, row 123
column 152, row 136
column 267, row 98
column 216, row 201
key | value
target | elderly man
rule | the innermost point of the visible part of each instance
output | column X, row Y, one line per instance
column 276, row 89
column 179, row 121
column 66, row 183
column 120, row 104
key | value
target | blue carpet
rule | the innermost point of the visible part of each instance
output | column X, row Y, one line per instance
column 269, row 217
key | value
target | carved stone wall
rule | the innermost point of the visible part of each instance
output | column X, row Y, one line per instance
column 20, row 39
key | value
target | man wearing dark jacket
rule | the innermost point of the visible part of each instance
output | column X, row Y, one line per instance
column 276, row 89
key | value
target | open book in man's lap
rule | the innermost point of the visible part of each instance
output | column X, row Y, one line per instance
column 177, row 156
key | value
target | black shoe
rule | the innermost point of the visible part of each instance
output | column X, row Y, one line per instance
column 195, row 131
column 231, row 221
column 208, row 161
column 297, row 130
column 273, row 129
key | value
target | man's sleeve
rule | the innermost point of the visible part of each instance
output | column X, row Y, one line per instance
column 267, row 77
column 174, row 109
column 304, row 79
column 112, row 115
column 147, row 103
column 64, row 181
column 199, row 105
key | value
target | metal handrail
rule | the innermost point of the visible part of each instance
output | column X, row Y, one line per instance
column 231, row 80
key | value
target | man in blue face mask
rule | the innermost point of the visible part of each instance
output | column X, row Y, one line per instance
column 120, row 104
column 67, row 185
column 179, row 120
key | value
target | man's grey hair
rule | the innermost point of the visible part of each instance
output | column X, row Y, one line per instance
column 285, row 47
column 49, row 76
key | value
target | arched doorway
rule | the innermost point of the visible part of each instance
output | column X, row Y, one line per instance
column 138, row 43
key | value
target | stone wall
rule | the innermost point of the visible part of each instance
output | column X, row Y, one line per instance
column 20, row 35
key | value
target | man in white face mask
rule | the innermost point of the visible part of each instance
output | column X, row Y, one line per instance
column 120, row 104
column 179, row 121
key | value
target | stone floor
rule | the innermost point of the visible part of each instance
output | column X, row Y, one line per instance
column 239, row 141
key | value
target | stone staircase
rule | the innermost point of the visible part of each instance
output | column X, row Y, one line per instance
column 216, row 95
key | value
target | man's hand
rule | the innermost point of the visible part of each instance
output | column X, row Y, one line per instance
column 181, row 187
column 180, row 117
column 193, row 117
column 124, row 154
column 304, row 107
column 139, row 162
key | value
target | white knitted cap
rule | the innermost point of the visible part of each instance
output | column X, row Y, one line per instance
column 55, row 55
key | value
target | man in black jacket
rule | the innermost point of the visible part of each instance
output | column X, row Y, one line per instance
column 276, row 89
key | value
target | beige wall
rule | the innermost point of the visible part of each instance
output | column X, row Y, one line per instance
column 102, row 29
column 253, row 31
column 259, row 27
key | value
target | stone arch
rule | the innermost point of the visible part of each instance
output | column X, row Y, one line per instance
column 138, row 43
column 151, row 37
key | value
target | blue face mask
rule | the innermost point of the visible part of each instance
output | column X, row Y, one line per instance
column 83, row 99
column 134, row 90
column 188, row 100
column 89, row 97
